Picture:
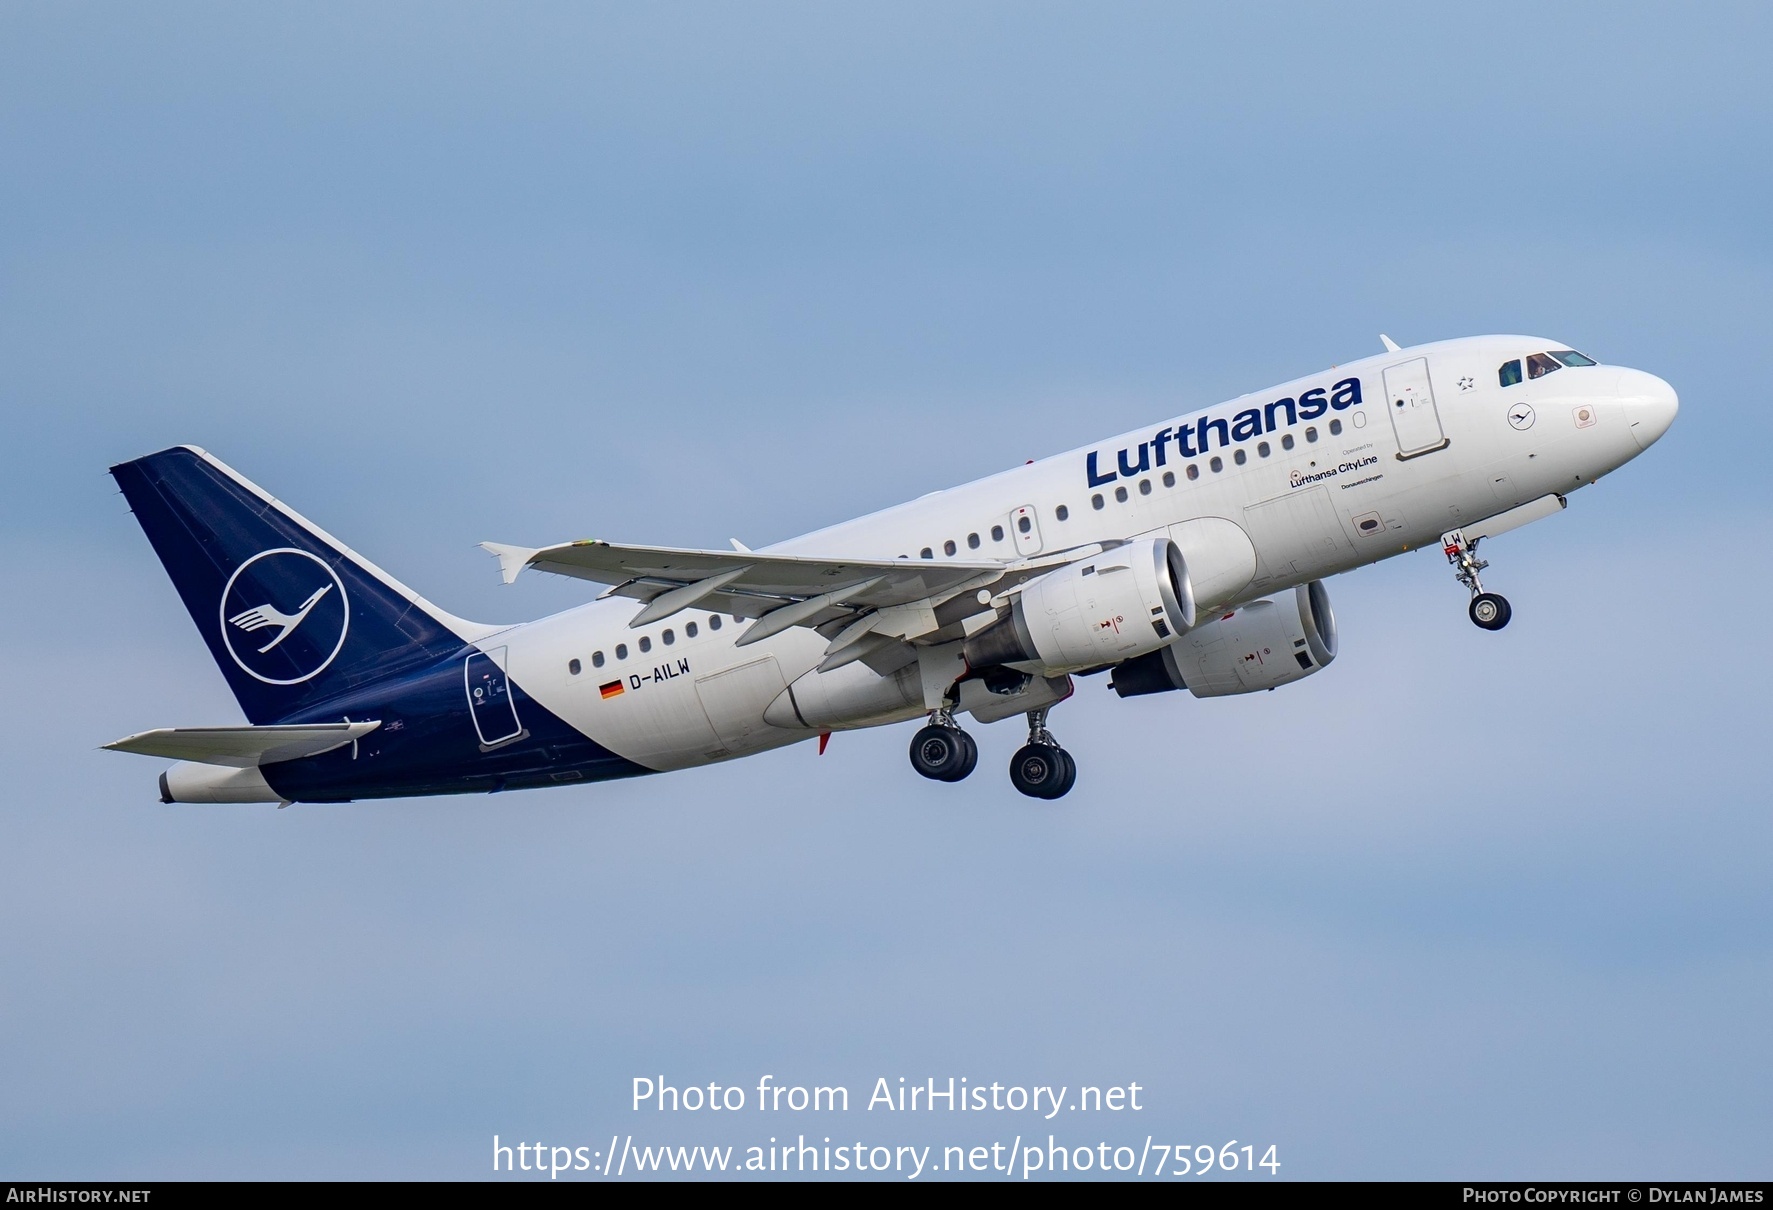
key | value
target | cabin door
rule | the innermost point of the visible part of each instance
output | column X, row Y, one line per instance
column 1409, row 401
column 489, row 698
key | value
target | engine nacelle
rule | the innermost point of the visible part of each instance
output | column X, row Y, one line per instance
column 1117, row 605
column 1262, row 645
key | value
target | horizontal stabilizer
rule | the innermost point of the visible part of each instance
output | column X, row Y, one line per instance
column 243, row 747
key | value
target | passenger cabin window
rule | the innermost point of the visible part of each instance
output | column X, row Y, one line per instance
column 1169, row 478
column 997, row 533
column 1120, row 494
column 713, row 621
column 1024, row 524
column 972, row 541
column 572, row 666
column 1541, row 364
column 1096, row 501
column 1286, row 441
column 926, row 553
column 948, row 547
column 1193, row 471
column 1144, row 487
column 621, row 651
column 1510, row 373
column 1240, row 457
column 1216, row 463
column 646, row 644
column 1063, row 513
column 668, row 637
column 689, row 630
column 1571, row 357
column 597, row 659
column 1335, row 428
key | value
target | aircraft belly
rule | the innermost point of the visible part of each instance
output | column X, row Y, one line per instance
column 1297, row 537
column 695, row 702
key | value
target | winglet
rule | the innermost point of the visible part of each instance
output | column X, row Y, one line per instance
column 512, row 559
column 1388, row 342
column 739, row 546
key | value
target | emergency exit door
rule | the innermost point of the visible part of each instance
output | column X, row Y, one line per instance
column 1409, row 400
column 1025, row 525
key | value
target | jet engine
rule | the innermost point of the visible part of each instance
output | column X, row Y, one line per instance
column 1119, row 604
column 1262, row 645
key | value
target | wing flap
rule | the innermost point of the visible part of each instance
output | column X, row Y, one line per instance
column 243, row 747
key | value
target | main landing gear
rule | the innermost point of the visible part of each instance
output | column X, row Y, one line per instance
column 1489, row 610
column 941, row 751
column 1041, row 768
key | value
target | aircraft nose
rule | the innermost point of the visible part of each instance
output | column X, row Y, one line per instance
column 1650, row 405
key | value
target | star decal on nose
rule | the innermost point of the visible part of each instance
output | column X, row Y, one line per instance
column 1466, row 383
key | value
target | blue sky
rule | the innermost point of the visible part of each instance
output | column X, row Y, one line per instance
column 1463, row 905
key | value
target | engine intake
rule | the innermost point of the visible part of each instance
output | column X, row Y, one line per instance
column 1262, row 645
column 1119, row 604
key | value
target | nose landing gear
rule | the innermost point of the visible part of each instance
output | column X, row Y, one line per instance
column 1489, row 610
column 1041, row 768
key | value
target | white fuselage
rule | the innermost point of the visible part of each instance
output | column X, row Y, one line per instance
column 1318, row 479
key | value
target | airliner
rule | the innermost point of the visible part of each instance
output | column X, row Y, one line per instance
column 1188, row 555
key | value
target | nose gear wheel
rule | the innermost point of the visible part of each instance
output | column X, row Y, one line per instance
column 1490, row 611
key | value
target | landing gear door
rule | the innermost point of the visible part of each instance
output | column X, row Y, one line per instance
column 1026, row 528
column 489, row 698
column 1409, row 400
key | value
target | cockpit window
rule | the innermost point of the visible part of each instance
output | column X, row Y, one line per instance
column 1571, row 357
column 1510, row 373
column 1541, row 364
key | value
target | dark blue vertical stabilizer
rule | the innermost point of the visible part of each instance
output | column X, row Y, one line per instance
column 293, row 618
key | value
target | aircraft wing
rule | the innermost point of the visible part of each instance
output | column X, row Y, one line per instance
column 243, row 747
column 846, row 600
column 750, row 584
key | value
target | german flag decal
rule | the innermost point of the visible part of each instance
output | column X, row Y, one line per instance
column 613, row 689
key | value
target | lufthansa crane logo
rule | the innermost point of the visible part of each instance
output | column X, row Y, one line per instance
column 284, row 616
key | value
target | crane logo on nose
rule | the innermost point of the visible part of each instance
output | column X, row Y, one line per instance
column 284, row 616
